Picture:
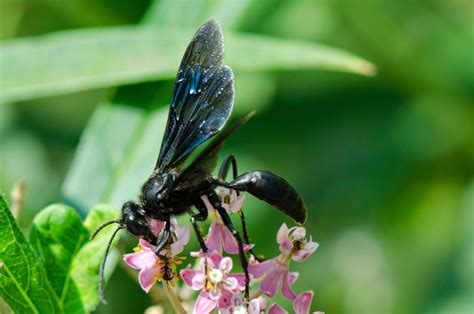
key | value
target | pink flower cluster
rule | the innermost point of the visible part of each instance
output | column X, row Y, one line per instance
column 218, row 287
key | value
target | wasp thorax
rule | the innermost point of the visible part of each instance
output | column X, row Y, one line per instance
column 156, row 190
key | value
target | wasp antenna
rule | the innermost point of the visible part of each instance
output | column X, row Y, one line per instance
column 103, row 226
column 102, row 265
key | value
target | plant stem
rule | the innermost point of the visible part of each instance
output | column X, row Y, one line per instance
column 255, row 294
column 173, row 298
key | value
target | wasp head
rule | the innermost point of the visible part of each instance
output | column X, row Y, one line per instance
column 135, row 220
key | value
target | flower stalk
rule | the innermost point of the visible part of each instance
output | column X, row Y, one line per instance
column 173, row 298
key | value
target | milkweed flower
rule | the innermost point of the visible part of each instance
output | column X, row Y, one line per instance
column 220, row 238
column 275, row 274
column 301, row 305
column 218, row 288
column 214, row 280
column 255, row 306
column 147, row 261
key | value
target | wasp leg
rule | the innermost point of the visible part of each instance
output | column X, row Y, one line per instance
column 200, row 216
column 163, row 240
column 225, row 167
column 223, row 171
column 214, row 199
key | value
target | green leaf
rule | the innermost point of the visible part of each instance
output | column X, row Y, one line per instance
column 23, row 282
column 177, row 13
column 116, row 154
column 57, row 235
column 94, row 58
column 85, row 266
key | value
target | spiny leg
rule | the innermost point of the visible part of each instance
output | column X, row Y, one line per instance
column 225, row 167
column 200, row 216
column 165, row 237
column 214, row 199
column 223, row 171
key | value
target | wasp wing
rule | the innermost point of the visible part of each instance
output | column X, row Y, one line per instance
column 202, row 100
column 206, row 161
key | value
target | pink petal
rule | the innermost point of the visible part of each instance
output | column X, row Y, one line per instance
column 156, row 226
column 226, row 264
column 292, row 277
column 147, row 277
column 193, row 278
column 213, row 241
column 276, row 309
column 240, row 277
column 286, row 247
column 225, row 300
column 297, row 233
column 233, row 195
column 145, row 245
column 140, row 259
column 199, row 253
column 272, row 281
column 229, row 242
column 262, row 301
column 236, row 205
column 214, row 259
column 258, row 269
column 286, row 290
column 236, row 300
column 209, row 207
column 303, row 302
column 282, row 234
column 247, row 247
column 183, row 239
column 231, row 283
column 284, row 242
column 306, row 252
column 203, row 304
column 215, row 293
column 254, row 306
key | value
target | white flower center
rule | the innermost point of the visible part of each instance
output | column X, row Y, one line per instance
column 298, row 234
column 240, row 309
column 216, row 275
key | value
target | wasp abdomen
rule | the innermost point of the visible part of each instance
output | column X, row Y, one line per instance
column 274, row 190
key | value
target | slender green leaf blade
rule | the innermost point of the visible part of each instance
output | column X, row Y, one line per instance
column 23, row 282
column 177, row 14
column 57, row 235
column 86, row 264
column 101, row 154
column 181, row 14
column 123, row 156
column 85, row 59
column 142, row 158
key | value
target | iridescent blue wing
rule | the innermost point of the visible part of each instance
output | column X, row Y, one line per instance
column 202, row 99
column 206, row 161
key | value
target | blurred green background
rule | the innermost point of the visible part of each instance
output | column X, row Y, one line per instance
column 385, row 163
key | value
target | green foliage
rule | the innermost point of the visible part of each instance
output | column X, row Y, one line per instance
column 57, row 270
column 57, row 235
column 86, row 264
column 105, row 57
column 23, row 280
column 121, row 160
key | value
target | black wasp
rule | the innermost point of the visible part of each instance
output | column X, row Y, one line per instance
column 201, row 104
